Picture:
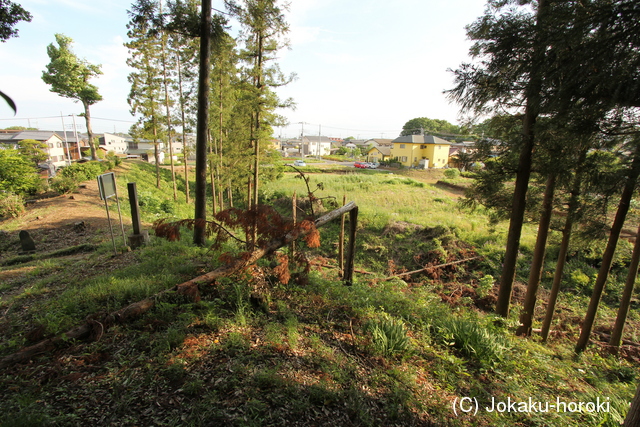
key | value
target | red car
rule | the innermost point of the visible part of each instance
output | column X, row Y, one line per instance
column 360, row 165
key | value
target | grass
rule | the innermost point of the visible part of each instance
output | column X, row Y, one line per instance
column 396, row 352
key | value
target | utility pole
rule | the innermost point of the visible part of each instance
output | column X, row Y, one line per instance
column 302, row 140
column 75, row 135
column 319, row 140
column 66, row 143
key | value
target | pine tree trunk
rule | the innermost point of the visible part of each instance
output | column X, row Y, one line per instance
column 526, row 317
column 524, row 169
column 623, row 310
column 199, row 232
column 607, row 257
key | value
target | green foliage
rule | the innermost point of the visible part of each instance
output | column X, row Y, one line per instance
column 68, row 75
column 11, row 205
column 451, row 173
column 429, row 126
column 33, row 150
column 17, row 174
column 485, row 284
column 474, row 340
column 388, row 336
column 80, row 172
column 63, row 184
column 10, row 14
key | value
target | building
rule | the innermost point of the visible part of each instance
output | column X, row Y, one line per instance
column 316, row 145
column 379, row 154
column 111, row 142
column 56, row 149
column 421, row 151
column 145, row 149
column 77, row 145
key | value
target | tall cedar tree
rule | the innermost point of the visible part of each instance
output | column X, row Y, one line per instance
column 183, row 46
column 225, row 96
column 145, row 96
column 204, row 83
column 511, row 45
column 166, row 83
column 264, row 29
column 69, row 77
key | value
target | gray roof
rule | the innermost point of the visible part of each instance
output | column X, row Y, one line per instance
column 317, row 139
column 421, row 139
column 38, row 135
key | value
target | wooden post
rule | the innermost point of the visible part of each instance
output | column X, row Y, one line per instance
column 353, row 225
column 341, row 241
column 294, row 207
column 139, row 236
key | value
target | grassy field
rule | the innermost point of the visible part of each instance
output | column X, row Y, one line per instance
column 420, row 351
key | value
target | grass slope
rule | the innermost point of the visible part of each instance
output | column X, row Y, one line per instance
column 257, row 352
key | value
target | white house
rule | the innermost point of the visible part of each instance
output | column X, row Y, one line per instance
column 55, row 145
column 316, row 145
column 116, row 143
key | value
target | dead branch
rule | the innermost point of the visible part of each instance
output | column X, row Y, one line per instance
column 355, row 270
column 189, row 288
column 408, row 273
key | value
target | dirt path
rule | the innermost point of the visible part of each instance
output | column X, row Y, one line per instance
column 60, row 221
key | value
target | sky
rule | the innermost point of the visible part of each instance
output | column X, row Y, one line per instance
column 363, row 67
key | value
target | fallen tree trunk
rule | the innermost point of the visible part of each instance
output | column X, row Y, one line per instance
column 94, row 329
column 408, row 273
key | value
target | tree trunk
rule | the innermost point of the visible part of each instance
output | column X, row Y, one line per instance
column 607, row 257
column 633, row 416
column 526, row 317
column 623, row 310
column 199, row 231
column 524, row 168
column 87, row 119
column 166, row 103
column 185, row 152
column 574, row 201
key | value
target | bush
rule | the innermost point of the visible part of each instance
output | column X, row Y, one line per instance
column 63, row 184
column 17, row 174
column 11, row 205
column 83, row 171
column 451, row 173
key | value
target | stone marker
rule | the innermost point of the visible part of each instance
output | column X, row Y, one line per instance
column 26, row 242
column 139, row 237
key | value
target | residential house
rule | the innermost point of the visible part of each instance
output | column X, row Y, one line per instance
column 77, row 144
column 145, row 149
column 316, row 145
column 111, row 142
column 421, row 151
column 464, row 147
column 379, row 154
column 55, row 145
column 378, row 142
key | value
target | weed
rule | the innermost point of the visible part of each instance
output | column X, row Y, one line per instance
column 471, row 338
column 388, row 336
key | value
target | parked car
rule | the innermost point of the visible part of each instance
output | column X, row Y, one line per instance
column 299, row 163
column 360, row 165
column 373, row 165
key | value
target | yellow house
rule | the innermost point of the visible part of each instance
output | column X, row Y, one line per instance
column 423, row 151
column 379, row 154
